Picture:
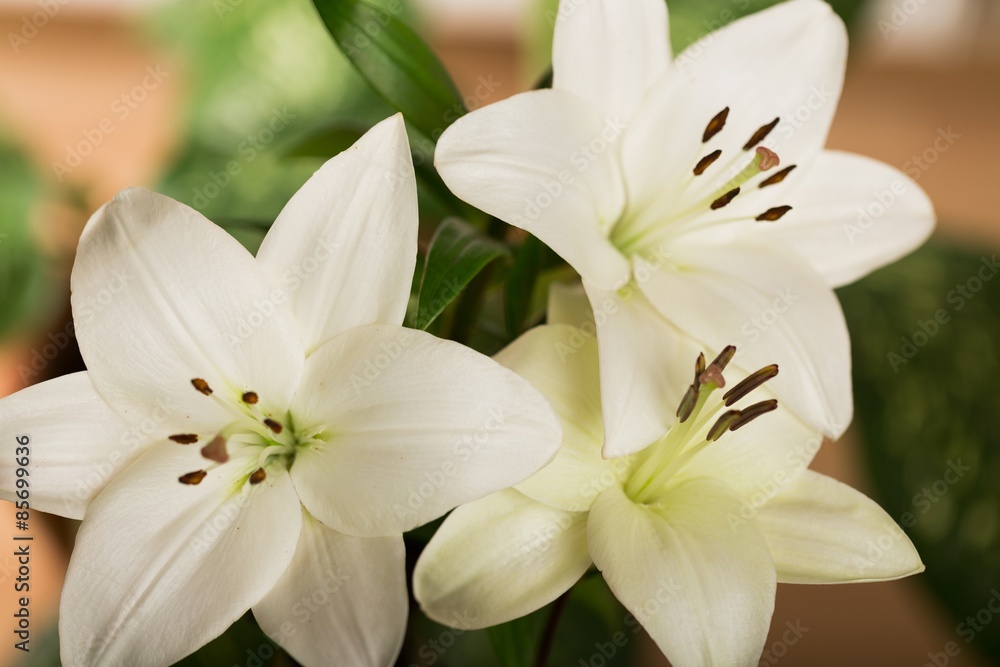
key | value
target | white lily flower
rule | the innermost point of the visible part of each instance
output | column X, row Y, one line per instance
column 258, row 433
column 691, row 534
column 664, row 174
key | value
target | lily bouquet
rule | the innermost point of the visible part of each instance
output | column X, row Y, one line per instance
column 254, row 429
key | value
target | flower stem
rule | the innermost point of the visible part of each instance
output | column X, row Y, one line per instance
column 551, row 626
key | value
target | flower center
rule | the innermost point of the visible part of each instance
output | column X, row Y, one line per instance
column 254, row 436
column 650, row 228
column 695, row 429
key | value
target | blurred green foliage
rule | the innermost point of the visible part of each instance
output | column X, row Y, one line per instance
column 926, row 339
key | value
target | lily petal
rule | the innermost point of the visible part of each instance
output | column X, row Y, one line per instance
column 609, row 53
column 162, row 296
column 704, row 591
column 786, row 62
column 852, row 215
column 74, row 442
column 499, row 558
column 543, row 161
column 344, row 248
column 775, row 309
column 821, row 531
column 561, row 362
column 645, row 368
column 341, row 601
column 417, row 425
column 189, row 560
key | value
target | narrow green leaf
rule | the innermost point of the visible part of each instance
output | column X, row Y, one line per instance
column 395, row 60
column 457, row 254
column 329, row 141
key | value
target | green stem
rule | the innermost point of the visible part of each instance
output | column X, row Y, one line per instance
column 551, row 626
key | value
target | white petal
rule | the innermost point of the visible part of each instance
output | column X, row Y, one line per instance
column 609, row 52
column 786, row 62
column 74, row 442
column 851, row 215
column 703, row 589
column 561, row 362
column 646, row 366
column 344, row 248
column 775, row 309
column 160, row 568
column 162, row 296
column 500, row 558
column 760, row 459
column 416, row 426
column 341, row 601
column 821, row 531
column 543, row 161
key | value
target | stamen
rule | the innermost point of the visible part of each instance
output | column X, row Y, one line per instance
column 725, row 199
column 723, row 424
column 258, row 476
column 202, row 386
column 273, row 425
column 760, row 134
column 688, row 403
column 750, row 383
column 715, row 125
column 185, row 438
column 706, row 162
column 777, row 178
column 192, row 478
column 216, row 450
column 699, row 366
column 772, row 214
column 724, row 357
column 251, row 398
column 747, row 415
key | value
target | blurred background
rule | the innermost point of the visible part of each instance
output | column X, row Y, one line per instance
column 229, row 105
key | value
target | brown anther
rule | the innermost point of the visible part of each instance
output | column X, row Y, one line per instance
column 250, row 398
column 712, row 376
column 724, row 357
column 273, row 425
column 723, row 424
column 686, row 407
column 772, row 214
column 258, row 476
column 202, row 386
column 192, row 478
column 185, row 438
column 747, row 415
column 777, row 178
column 760, row 134
column 768, row 158
column 216, row 450
column 699, row 365
column 725, row 199
column 715, row 125
column 750, row 383
column 706, row 162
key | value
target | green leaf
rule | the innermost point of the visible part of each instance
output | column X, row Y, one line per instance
column 532, row 257
column 515, row 643
column 329, row 141
column 457, row 254
column 396, row 62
